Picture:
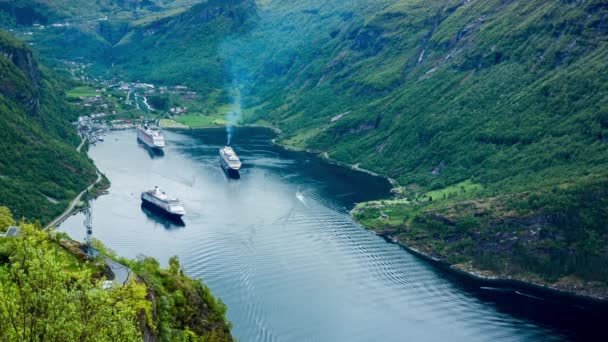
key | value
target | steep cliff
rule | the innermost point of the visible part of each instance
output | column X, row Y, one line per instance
column 40, row 170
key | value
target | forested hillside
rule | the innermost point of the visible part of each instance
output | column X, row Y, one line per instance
column 182, row 47
column 433, row 93
column 502, row 103
column 461, row 102
column 40, row 170
column 79, row 29
column 51, row 290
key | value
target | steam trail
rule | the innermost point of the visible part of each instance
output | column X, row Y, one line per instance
column 233, row 116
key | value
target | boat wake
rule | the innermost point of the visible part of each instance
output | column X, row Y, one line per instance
column 300, row 197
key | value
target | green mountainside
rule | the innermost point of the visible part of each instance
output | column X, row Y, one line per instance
column 40, row 170
column 491, row 115
column 79, row 30
column 507, row 93
column 496, row 106
column 182, row 47
column 51, row 290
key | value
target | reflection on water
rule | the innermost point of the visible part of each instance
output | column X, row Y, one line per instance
column 231, row 174
column 279, row 247
column 168, row 222
column 152, row 152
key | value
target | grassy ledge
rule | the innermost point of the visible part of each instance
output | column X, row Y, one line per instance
column 549, row 238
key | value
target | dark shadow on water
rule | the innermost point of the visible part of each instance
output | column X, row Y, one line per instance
column 166, row 221
column 153, row 153
column 230, row 174
column 577, row 319
column 254, row 146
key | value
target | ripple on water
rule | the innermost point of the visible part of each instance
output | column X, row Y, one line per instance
column 290, row 268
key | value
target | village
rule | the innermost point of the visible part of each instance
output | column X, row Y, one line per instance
column 107, row 105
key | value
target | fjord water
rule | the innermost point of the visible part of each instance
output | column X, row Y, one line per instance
column 279, row 248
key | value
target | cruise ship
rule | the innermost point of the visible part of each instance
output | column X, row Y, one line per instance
column 153, row 138
column 158, row 199
column 229, row 160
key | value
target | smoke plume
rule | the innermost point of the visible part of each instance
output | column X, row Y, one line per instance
column 234, row 115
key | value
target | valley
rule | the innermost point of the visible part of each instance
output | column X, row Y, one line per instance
column 489, row 118
column 431, row 96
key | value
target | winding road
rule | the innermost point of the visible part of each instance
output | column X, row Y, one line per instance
column 81, row 144
column 77, row 199
column 122, row 273
column 73, row 203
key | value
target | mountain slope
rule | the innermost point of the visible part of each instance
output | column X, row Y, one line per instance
column 505, row 92
column 78, row 30
column 40, row 170
column 498, row 107
column 502, row 103
column 182, row 47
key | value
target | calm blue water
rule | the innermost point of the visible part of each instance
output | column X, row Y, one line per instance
column 297, row 268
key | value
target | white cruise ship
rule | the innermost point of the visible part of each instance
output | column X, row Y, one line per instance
column 153, row 138
column 229, row 159
column 158, row 199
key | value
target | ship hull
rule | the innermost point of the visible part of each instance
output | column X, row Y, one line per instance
column 230, row 172
column 154, row 152
column 158, row 208
column 168, row 221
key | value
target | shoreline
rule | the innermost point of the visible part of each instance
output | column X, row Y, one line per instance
column 72, row 206
column 278, row 132
column 542, row 291
column 503, row 283
column 71, row 209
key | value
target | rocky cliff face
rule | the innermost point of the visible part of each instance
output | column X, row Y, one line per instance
column 22, row 57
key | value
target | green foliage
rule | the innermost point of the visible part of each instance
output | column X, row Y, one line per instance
column 40, row 171
column 562, row 232
column 174, row 267
column 159, row 102
column 186, row 309
column 45, row 294
column 81, row 91
column 6, row 218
